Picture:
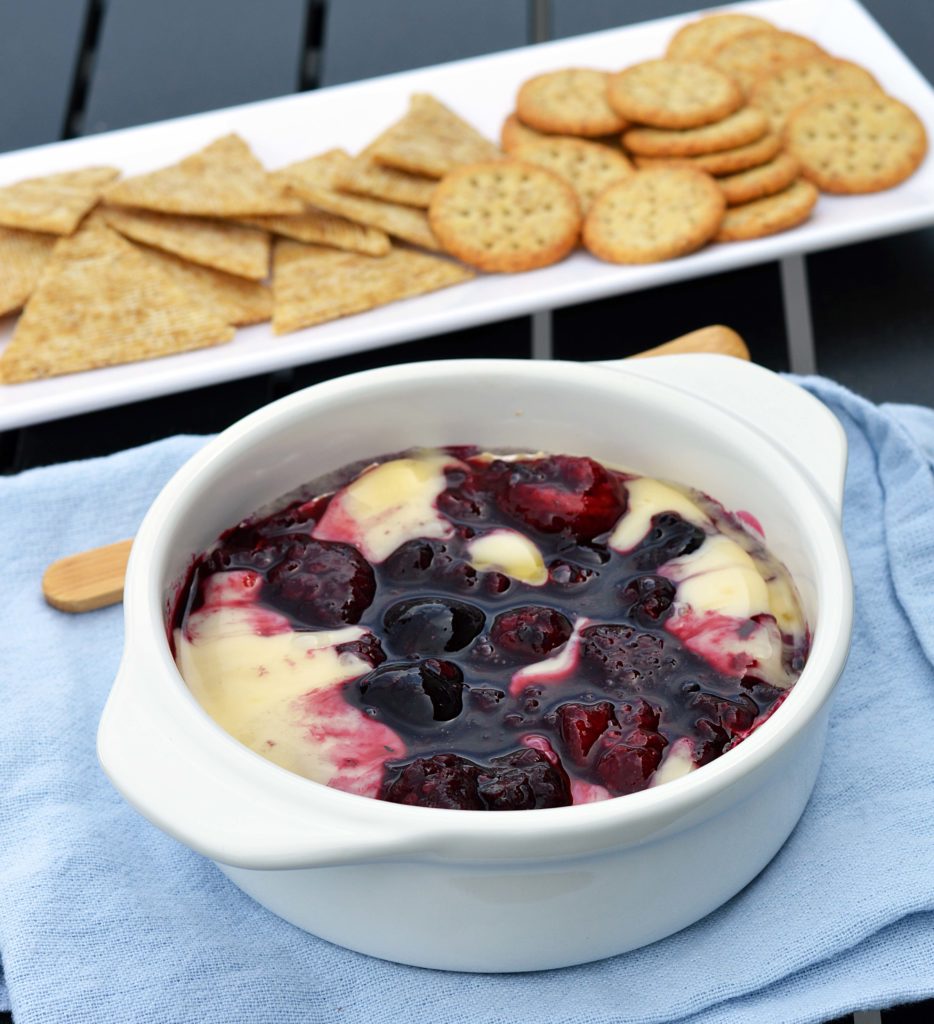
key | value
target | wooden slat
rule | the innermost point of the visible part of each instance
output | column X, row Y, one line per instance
column 40, row 44
column 364, row 38
column 166, row 58
column 574, row 17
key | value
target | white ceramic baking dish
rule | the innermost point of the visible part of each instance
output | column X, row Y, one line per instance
column 496, row 891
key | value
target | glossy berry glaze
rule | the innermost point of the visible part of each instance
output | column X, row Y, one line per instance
column 508, row 695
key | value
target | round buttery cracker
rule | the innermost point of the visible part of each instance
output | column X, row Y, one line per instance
column 856, row 142
column 788, row 88
column 505, row 216
column 747, row 57
column 737, row 129
column 654, row 215
column 571, row 101
column 697, row 40
column 588, row 167
column 514, row 133
column 727, row 162
column 761, row 181
column 672, row 94
column 785, row 209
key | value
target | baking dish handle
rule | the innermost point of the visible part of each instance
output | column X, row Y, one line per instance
column 791, row 418
column 186, row 777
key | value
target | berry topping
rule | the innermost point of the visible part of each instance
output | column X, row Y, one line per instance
column 648, row 599
column 522, row 780
column 581, row 725
column 561, row 493
column 625, row 654
column 627, row 756
column 670, row 537
column 415, row 694
column 566, row 574
column 530, row 632
column 443, row 780
column 368, row 648
column 429, row 561
column 320, row 583
column 428, row 626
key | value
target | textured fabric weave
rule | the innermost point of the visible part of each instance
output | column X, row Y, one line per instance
column 104, row 919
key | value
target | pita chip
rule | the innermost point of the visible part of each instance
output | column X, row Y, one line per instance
column 235, row 300
column 363, row 176
column 315, row 180
column 56, row 203
column 431, row 140
column 224, row 179
column 23, row 254
column 312, row 284
column 101, row 302
column 321, row 228
column 212, row 243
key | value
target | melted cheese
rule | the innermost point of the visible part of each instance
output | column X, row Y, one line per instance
column 388, row 505
column 646, row 499
column 509, row 552
column 253, row 685
column 719, row 577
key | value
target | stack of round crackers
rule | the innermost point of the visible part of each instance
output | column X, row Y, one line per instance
column 755, row 119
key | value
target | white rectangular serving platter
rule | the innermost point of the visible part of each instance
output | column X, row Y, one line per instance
column 482, row 90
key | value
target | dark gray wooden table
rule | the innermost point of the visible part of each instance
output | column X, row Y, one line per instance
column 76, row 67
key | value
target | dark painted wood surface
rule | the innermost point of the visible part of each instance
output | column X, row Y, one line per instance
column 165, row 58
column 363, row 38
column 41, row 43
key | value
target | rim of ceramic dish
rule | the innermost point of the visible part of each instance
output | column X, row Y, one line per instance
column 441, row 831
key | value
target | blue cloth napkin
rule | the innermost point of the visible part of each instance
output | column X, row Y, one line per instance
column 104, row 919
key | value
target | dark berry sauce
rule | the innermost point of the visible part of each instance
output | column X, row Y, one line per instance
column 449, row 642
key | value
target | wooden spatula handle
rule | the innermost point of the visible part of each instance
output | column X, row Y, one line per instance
column 94, row 579
column 89, row 580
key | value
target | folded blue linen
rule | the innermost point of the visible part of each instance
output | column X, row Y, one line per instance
column 105, row 919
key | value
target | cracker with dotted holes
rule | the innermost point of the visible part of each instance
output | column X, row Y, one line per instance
column 571, row 101
column 23, row 255
column 697, row 40
column 728, row 162
column 506, row 217
column 515, row 133
column 672, row 94
column 312, row 285
column 794, row 85
column 587, row 167
column 56, row 203
column 758, row 182
column 431, row 140
column 744, row 126
column 856, row 142
column 654, row 215
column 747, row 57
column 779, row 212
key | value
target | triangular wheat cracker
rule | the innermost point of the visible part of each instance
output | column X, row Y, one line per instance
column 321, row 228
column 222, row 180
column 55, row 203
column 312, row 284
column 365, row 177
column 234, row 299
column 23, row 254
column 212, row 243
column 315, row 181
column 101, row 302
column 431, row 140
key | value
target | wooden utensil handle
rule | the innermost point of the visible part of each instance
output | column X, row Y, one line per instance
column 94, row 579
